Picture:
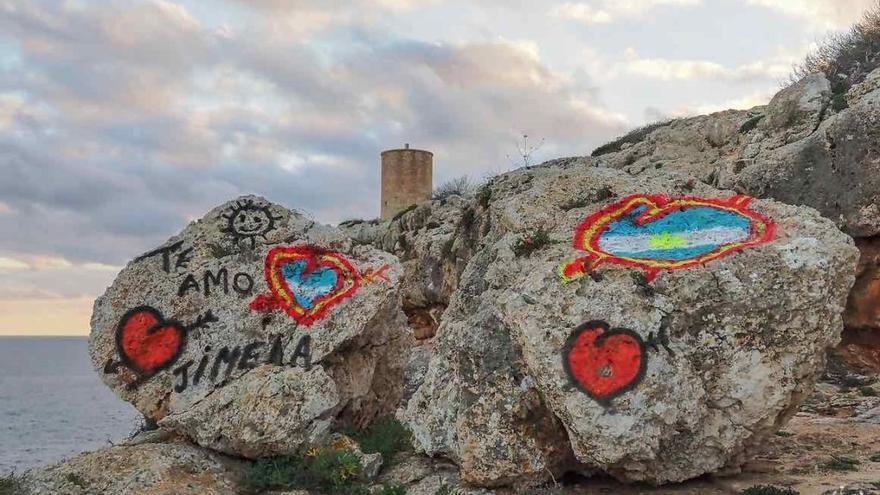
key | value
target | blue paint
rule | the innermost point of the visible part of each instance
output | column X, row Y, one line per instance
column 306, row 289
column 690, row 232
column 675, row 254
column 678, row 222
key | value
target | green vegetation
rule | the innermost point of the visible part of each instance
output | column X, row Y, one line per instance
column 868, row 391
column 11, row 485
column 875, row 457
column 846, row 59
column 386, row 436
column 484, row 195
column 329, row 471
column 842, row 463
column 784, row 434
column 76, row 480
column 750, row 124
column 529, row 244
column 403, row 212
column 768, row 490
column 392, row 490
column 446, row 490
column 633, row 137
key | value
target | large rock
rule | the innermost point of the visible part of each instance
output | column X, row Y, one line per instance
column 253, row 330
column 632, row 367
column 433, row 242
column 149, row 469
column 803, row 148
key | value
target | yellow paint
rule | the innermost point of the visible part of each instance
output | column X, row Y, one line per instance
column 667, row 241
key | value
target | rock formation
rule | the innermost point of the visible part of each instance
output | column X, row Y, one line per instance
column 637, row 313
column 808, row 146
column 551, row 358
column 254, row 330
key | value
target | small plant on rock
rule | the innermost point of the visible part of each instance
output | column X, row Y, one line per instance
column 386, row 436
column 324, row 471
column 842, row 463
column 392, row 490
column 768, row 490
column 11, row 485
column 531, row 243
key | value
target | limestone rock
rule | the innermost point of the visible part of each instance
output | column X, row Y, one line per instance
column 148, row 469
column 646, row 370
column 253, row 330
column 799, row 149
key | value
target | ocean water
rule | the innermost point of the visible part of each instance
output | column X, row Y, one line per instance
column 52, row 404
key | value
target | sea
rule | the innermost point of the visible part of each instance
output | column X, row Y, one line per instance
column 53, row 404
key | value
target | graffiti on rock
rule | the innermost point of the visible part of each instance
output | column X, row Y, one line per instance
column 306, row 282
column 605, row 363
column 147, row 343
column 656, row 233
column 246, row 221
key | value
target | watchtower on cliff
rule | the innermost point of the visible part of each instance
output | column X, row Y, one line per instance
column 407, row 179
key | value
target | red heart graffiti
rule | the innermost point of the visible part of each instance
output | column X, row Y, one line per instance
column 605, row 363
column 146, row 342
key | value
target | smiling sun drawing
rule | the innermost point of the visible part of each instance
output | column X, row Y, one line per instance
column 246, row 221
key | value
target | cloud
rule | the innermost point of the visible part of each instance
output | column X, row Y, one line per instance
column 771, row 69
column 607, row 11
column 669, row 70
column 820, row 15
column 654, row 114
column 127, row 120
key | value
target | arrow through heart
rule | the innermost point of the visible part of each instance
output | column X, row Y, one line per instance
column 147, row 343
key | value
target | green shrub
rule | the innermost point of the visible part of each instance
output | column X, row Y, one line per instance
column 327, row 471
column 633, row 137
column 531, row 243
column 11, row 485
column 76, row 480
column 784, row 434
column 842, row 463
column 768, row 490
column 392, row 490
column 403, row 212
column 875, row 457
column 386, row 436
column 750, row 124
column 484, row 195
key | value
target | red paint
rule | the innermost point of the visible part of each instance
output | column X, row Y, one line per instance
column 348, row 281
column 588, row 233
column 605, row 363
column 146, row 342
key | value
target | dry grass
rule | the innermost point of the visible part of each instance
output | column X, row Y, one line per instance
column 846, row 59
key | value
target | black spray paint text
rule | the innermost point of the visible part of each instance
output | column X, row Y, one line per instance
column 223, row 362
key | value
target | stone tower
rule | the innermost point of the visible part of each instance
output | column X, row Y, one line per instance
column 407, row 179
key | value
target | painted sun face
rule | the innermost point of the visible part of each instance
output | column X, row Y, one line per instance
column 253, row 222
column 247, row 221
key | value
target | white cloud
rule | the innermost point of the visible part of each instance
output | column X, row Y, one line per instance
column 607, row 11
column 774, row 68
column 821, row 15
column 745, row 102
column 670, row 70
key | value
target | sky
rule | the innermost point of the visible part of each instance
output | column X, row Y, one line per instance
column 122, row 120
